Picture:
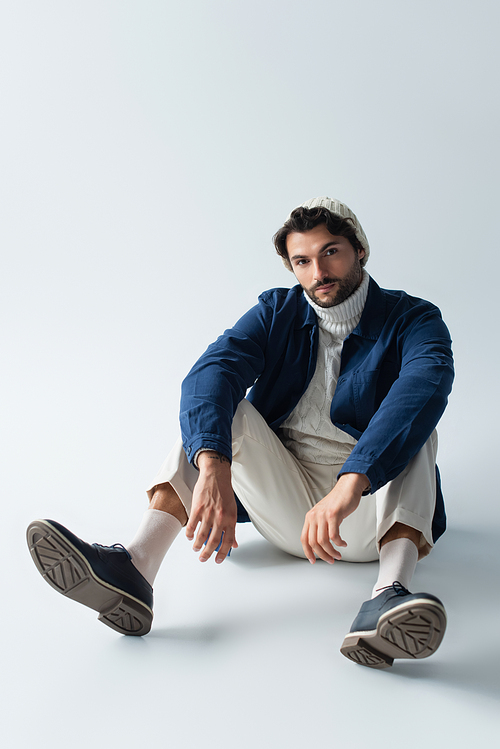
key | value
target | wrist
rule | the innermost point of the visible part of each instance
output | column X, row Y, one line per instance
column 356, row 481
column 210, row 461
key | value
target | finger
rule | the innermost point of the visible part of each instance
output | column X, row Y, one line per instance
column 213, row 540
column 317, row 547
column 334, row 534
column 309, row 553
column 326, row 545
column 202, row 535
column 322, row 554
column 192, row 524
column 304, row 540
column 309, row 538
column 225, row 546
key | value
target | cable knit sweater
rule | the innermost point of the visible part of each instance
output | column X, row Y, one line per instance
column 308, row 432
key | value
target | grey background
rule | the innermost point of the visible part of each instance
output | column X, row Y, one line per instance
column 149, row 152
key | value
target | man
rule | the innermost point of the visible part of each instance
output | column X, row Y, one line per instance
column 332, row 455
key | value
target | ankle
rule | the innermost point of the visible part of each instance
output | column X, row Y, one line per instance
column 398, row 560
column 155, row 535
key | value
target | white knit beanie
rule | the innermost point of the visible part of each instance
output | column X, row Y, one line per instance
column 339, row 209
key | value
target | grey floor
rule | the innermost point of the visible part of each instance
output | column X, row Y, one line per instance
column 247, row 654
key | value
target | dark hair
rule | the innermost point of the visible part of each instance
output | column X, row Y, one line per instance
column 305, row 219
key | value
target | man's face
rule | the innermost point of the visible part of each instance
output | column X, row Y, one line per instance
column 326, row 266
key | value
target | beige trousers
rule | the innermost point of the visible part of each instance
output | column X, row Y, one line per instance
column 277, row 490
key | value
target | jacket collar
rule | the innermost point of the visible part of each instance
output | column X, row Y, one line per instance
column 306, row 316
column 372, row 319
column 374, row 313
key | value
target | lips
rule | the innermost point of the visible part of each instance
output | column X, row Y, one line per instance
column 325, row 289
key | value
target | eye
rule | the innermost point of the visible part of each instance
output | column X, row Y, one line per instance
column 331, row 251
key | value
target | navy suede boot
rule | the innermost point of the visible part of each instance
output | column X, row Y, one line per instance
column 395, row 624
column 101, row 577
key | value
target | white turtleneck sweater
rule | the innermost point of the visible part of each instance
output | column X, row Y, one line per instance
column 308, row 432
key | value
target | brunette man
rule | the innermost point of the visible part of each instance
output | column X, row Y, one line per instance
column 331, row 455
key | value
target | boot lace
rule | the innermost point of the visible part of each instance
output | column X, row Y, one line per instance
column 102, row 556
column 398, row 588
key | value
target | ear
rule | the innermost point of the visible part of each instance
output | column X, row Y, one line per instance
column 361, row 254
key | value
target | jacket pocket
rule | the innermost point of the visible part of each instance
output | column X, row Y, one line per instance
column 365, row 396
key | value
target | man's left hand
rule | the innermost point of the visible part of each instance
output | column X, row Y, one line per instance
column 322, row 523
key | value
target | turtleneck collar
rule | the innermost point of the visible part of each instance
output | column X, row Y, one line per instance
column 343, row 318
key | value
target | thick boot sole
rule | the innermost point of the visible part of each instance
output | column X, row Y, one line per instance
column 412, row 630
column 68, row 571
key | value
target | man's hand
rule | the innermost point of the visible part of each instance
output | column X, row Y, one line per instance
column 213, row 508
column 322, row 523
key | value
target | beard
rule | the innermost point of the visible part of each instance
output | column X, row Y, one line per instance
column 344, row 287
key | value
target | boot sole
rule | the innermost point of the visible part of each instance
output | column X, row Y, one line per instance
column 412, row 630
column 66, row 570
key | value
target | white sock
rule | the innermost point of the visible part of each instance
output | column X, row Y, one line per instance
column 398, row 560
column 154, row 537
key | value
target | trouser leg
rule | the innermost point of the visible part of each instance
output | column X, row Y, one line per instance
column 271, row 483
column 179, row 473
column 410, row 498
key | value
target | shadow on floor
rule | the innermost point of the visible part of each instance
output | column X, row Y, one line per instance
column 260, row 553
column 463, row 569
column 474, row 673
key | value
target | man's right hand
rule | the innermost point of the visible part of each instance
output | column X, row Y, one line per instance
column 213, row 508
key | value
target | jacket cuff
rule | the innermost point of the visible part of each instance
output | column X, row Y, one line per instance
column 358, row 465
column 207, row 442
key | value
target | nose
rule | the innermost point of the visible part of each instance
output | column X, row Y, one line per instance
column 319, row 271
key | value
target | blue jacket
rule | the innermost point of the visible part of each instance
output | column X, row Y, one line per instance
column 395, row 377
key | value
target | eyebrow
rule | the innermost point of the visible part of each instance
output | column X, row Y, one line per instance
column 306, row 257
